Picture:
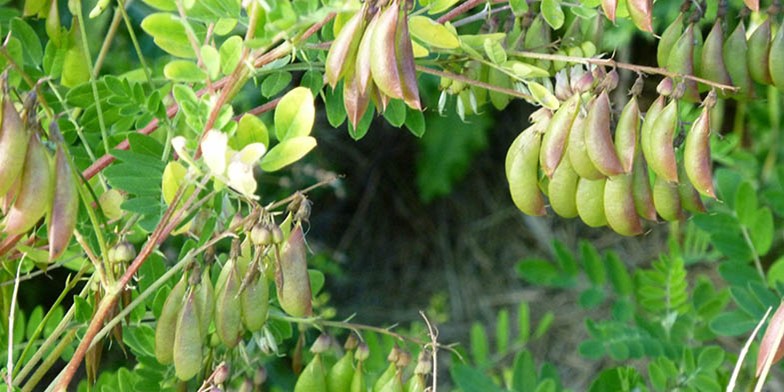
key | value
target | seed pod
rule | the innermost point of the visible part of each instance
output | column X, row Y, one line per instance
column 14, row 138
column 65, row 206
column 767, row 346
column 205, row 301
column 662, row 159
column 590, row 202
column 395, row 384
column 667, row 200
column 386, row 376
column 776, row 60
column 626, row 134
column 735, row 52
column 52, row 26
column 254, row 300
column 609, row 7
column 554, row 139
column 312, row 378
column 167, row 323
column 358, row 383
column 578, row 154
column 646, row 130
column 523, row 174
column 668, row 40
column 562, row 189
column 690, row 198
column 697, row 155
column 291, row 276
column 712, row 64
column 619, row 207
column 354, row 100
column 364, row 54
column 383, row 62
column 754, row 6
column 228, row 319
column 758, row 54
column 598, row 137
column 343, row 51
column 406, row 67
column 641, row 12
column 641, row 183
column 187, row 340
column 681, row 60
column 35, row 190
column 339, row 377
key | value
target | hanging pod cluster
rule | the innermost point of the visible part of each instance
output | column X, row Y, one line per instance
column 737, row 58
column 640, row 11
column 348, row 373
column 611, row 175
column 34, row 185
column 374, row 57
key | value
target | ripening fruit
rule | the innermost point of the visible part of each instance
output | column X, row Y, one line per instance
column 662, row 151
column 228, row 319
column 343, row 51
column 187, row 340
column 341, row 373
column 167, row 323
column 383, row 61
column 14, row 137
column 619, row 205
column 312, row 378
column 65, row 206
column 757, row 56
column 562, row 190
column 667, row 200
column 697, row 155
column 590, row 202
column 557, row 133
column 291, row 277
column 34, row 198
column 254, row 300
column 598, row 138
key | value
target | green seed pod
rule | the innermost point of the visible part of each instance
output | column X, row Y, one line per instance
column 619, row 205
column 668, row 40
column 312, row 378
column 578, row 154
column 523, row 173
column 342, row 372
column 406, row 67
column 65, row 206
column 395, row 384
column 52, row 27
column 641, row 184
column 255, row 303
column 556, row 135
column 690, row 198
column 562, row 189
column 712, row 65
column 598, row 137
column 383, row 62
column 646, row 130
column 358, row 383
column 681, row 60
column 291, row 276
column 228, row 319
column 735, row 53
column 662, row 159
column 626, row 134
column 776, row 60
column 354, row 100
column 205, row 302
column 187, row 340
column 365, row 53
column 590, row 202
column 758, row 54
column 498, row 78
column 343, row 51
column 667, row 200
column 35, row 191
column 260, row 235
column 697, row 155
column 385, row 377
column 167, row 323
column 14, row 138
column 641, row 12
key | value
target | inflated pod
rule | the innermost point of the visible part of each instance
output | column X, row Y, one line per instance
column 523, row 172
column 598, row 137
column 697, row 155
column 254, row 300
column 712, row 63
column 667, row 200
column 312, row 378
column 187, row 340
column 735, row 52
column 291, row 277
column 668, row 39
column 562, row 190
column 641, row 12
column 641, row 189
column 383, row 62
column 65, row 205
column 758, row 54
column 619, row 207
column 34, row 198
column 646, row 129
column 205, row 301
column 662, row 151
column 776, row 60
column 355, row 100
column 681, row 60
column 578, row 154
column 342, row 54
column 626, row 134
column 406, row 66
column 609, row 7
column 340, row 375
column 690, row 198
column 556, row 135
column 590, row 202
column 228, row 311
column 167, row 323
column 14, row 138
column 365, row 53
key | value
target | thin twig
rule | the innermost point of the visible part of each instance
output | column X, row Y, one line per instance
column 478, row 83
column 10, row 364
column 433, row 333
column 744, row 351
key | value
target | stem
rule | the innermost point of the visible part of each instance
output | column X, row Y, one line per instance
column 135, row 42
column 10, row 363
column 107, row 42
column 50, row 360
column 757, row 261
column 450, row 75
column 93, row 84
column 461, row 9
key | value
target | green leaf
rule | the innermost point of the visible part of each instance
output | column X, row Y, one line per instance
column 544, row 325
column 415, row 122
column 746, row 203
column 363, row 126
column 565, row 258
column 145, row 145
column 230, row 54
column 396, row 112
column 592, row 262
column 523, row 372
column 141, row 339
column 250, row 130
column 547, row 385
column 333, row 102
column 543, row 96
column 523, row 323
column 727, row 182
column 537, row 271
column 33, row 51
column 439, row 6
column 502, row 331
column 495, row 52
column 169, row 33
column 287, row 152
column 469, row 379
column 621, row 379
column 761, row 230
column 732, row 323
column 591, row 297
column 83, row 309
column 34, row 320
column 480, row 351
column 184, row 71
column 312, row 80
column 552, row 13
column 710, row 358
column 295, row 114
column 163, row 5
column 432, row 33
column 211, row 59
column 519, row 7
column 776, row 272
column 619, row 275
column 275, row 83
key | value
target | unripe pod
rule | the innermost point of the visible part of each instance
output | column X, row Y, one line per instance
column 776, row 60
column 339, row 377
column 228, row 319
column 681, row 60
column 291, row 276
column 260, row 234
column 122, row 253
column 668, row 40
column 578, row 154
column 522, row 172
column 712, row 64
column 690, row 198
column 343, row 51
column 662, row 158
column 626, row 134
column 364, row 55
column 65, row 206
column 277, row 234
column 697, row 155
column 14, row 138
column 562, row 189
column 205, row 301
column 167, row 323
column 383, row 62
column 643, row 196
column 406, row 66
column 609, row 7
column 646, row 130
column 735, row 53
column 385, row 377
column 619, row 205
column 590, row 202
column 312, row 378
column 395, row 384
column 354, row 100
column 641, row 12
column 598, row 137
column 35, row 190
column 187, row 340
column 358, row 383
column 667, row 200
column 757, row 56
column 254, row 300
column 556, row 135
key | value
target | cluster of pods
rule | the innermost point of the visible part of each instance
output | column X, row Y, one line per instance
column 599, row 172
column 348, row 374
column 373, row 55
column 32, row 183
